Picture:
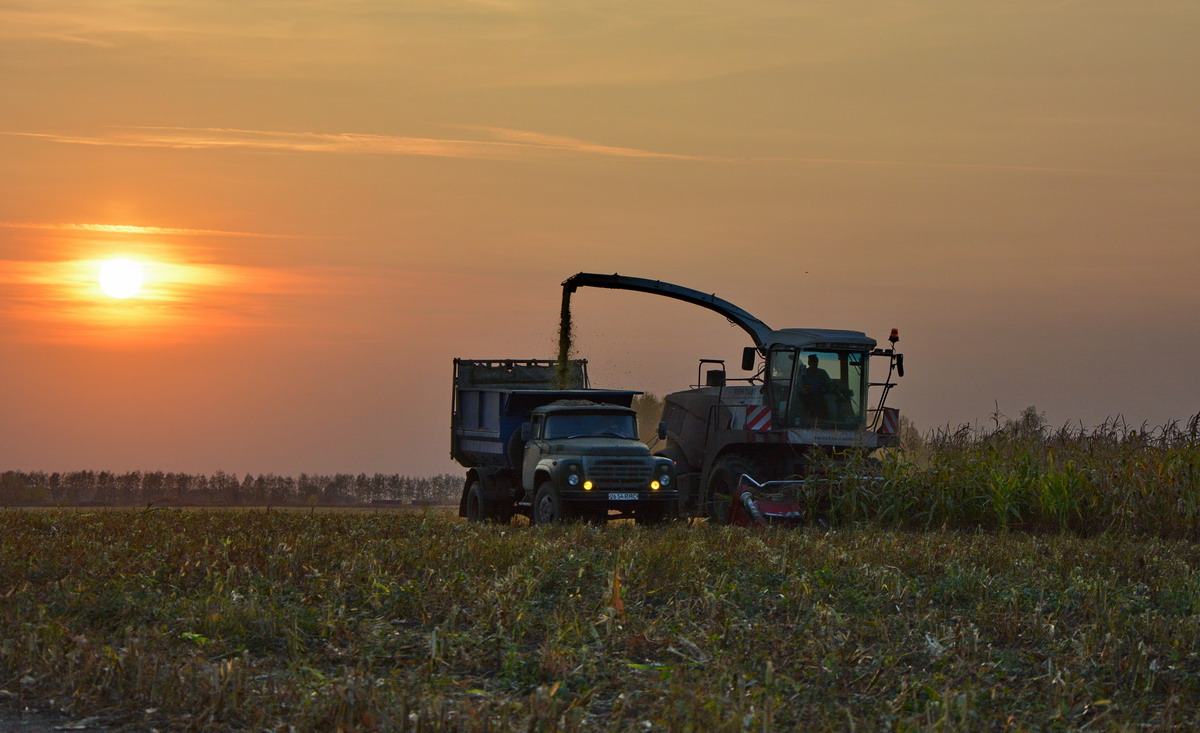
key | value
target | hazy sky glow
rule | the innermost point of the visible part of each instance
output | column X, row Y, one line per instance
column 334, row 199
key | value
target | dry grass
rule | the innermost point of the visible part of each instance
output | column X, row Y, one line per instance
column 240, row 619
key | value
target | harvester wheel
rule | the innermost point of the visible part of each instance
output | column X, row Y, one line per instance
column 547, row 505
column 723, row 481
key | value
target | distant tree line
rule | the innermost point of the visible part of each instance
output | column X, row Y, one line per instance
column 106, row 488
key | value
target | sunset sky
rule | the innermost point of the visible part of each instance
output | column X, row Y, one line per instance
column 332, row 199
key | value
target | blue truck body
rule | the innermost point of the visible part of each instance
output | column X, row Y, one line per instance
column 492, row 398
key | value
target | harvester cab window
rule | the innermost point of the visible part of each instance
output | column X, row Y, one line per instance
column 578, row 424
column 828, row 390
column 782, row 364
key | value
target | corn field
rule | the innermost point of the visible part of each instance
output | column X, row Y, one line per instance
column 1021, row 475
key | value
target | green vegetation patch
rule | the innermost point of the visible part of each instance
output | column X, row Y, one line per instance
column 386, row 620
column 1023, row 475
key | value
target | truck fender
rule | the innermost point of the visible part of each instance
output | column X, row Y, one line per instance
column 542, row 472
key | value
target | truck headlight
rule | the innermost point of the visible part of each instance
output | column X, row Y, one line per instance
column 573, row 479
column 654, row 486
column 665, row 479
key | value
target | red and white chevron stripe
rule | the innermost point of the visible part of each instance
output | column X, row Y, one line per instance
column 891, row 421
column 758, row 417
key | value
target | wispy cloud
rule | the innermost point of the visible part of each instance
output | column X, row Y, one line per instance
column 505, row 145
column 953, row 166
column 134, row 229
column 528, row 138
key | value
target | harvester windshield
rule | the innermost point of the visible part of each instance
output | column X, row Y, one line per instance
column 818, row 389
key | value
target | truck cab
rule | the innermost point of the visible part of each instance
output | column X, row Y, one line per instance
column 584, row 458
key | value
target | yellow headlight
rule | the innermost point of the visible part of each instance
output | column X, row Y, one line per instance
column 654, row 485
column 587, row 485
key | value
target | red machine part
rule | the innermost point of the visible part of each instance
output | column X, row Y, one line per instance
column 748, row 508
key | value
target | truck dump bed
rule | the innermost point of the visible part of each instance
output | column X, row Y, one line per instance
column 492, row 397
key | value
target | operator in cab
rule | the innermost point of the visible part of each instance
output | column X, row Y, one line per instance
column 814, row 389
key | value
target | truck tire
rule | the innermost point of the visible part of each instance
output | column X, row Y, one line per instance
column 474, row 501
column 547, row 505
column 723, row 481
column 481, row 509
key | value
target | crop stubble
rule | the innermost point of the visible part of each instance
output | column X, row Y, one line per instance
column 387, row 620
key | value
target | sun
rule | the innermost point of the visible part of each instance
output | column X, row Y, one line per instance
column 121, row 278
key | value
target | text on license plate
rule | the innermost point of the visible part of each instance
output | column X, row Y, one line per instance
column 622, row 497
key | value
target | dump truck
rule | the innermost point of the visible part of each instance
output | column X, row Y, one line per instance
column 803, row 408
column 537, row 440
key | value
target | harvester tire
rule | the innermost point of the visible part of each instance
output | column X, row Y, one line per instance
column 722, row 483
column 547, row 505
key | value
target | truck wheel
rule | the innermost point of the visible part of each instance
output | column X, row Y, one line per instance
column 723, row 481
column 474, row 512
column 479, row 509
column 547, row 505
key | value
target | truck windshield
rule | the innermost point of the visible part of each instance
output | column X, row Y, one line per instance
column 574, row 424
column 818, row 389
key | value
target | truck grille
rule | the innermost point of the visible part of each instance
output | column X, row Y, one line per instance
column 619, row 473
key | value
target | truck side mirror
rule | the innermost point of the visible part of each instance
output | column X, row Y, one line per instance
column 662, row 430
column 526, row 432
column 749, row 354
column 900, row 365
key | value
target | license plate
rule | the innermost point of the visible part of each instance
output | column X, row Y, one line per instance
column 623, row 497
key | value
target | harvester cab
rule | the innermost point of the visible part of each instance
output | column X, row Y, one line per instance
column 804, row 406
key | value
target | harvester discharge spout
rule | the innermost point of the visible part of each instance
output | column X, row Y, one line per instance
column 758, row 330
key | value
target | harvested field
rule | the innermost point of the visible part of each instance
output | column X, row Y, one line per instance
column 368, row 620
